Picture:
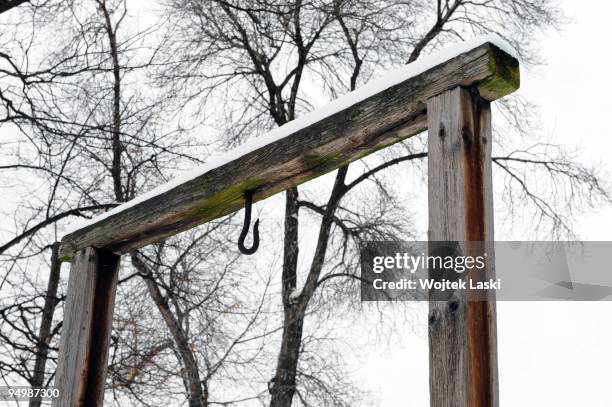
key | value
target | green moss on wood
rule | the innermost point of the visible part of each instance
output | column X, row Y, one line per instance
column 315, row 160
column 218, row 204
column 65, row 259
column 505, row 78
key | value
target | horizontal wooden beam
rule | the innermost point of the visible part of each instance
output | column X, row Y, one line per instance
column 379, row 120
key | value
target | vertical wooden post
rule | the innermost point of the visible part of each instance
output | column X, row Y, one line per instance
column 462, row 333
column 88, row 316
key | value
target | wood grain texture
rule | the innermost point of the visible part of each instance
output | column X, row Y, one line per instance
column 88, row 315
column 383, row 119
column 462, row 331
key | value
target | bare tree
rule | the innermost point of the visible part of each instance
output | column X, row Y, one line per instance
column 214, row 326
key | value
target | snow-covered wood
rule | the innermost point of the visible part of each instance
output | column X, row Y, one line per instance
column 380, row 113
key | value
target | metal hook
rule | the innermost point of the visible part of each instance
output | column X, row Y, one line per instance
column 248, row 203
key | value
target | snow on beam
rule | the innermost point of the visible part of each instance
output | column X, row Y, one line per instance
column 376, row 115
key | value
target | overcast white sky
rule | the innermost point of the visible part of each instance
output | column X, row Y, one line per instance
column 550, row 353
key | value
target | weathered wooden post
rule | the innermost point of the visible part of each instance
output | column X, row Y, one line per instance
column 88, row 314
column 462, row 332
